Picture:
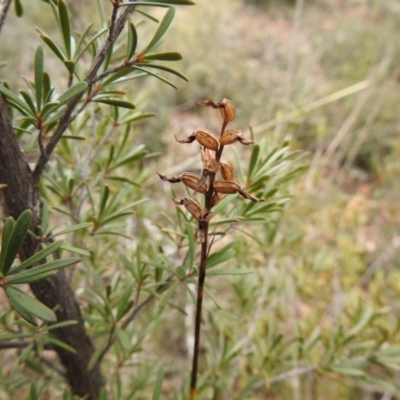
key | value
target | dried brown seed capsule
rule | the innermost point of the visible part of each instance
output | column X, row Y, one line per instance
column 216, row 198
column 248, row 196
column 207, row 139
column 232, row 136
column 191, row 205
column 226, row 170
column 172, row 179
column 194, row 182
column 228, row 110
column 227, row 187
column 204, row 137
column 206, row 156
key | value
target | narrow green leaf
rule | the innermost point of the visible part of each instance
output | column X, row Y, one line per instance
column 39, row 256
column 25, row 353
column 65, row 26
column 16, row 239
column 33, row 392
column 116, row 103
column 7, row 231
column 53, row 47
column 77, row 56
column 169, row 56
column 73, row 228
column 163, row 27
column 222, row 255
column 18, row 8
column 36, row 273
column 123, row 303
column 168, row 294
column 14, row 99
column 72, row 137
column 232, row 271
column 28, row 307
column 93, row 360
column 76, row 250
column 38, row 68
column 82, row 39
column 28, row 99
column 72, row 92
column 156, row 76
column 123, row 338
column 253, row 161
column 136, row 117
column 49, row 108
column 163, row 68
column 158, row 385
column 70, row 65
column 60, row 343
column 105, row 193
column 31, row 143
column 132, row 41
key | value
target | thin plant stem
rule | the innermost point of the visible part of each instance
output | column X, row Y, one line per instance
column 200, row 293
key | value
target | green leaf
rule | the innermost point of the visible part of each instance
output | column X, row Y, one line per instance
column 76, row 250
column 116, row 103
column 28, row 100
column 16, row 239
column 7, row 231
column 82, row 39
column 232, row 271
column 72, row 92
column 70, row 65
column 60, row 343
column 347, row 369
column 18, row 8
column 40, row 272
column 163, row 27
column 49, row 108
column 28, row 307
column 93, row 360
column 31, row 143
column 39, row 256
column 73, row 228
column 123, row 338
column 15, row 101
column 33, row 392
column 157, row 76
column 169, row 56
column 53, row 47
column 158, row 385
column 39, row 65
column 253, row 161
column 132, row 41
column 135, row 117
column 163, row 68
column 46, row 88
column 168, row 294
column 222, row 255
column 65, row 26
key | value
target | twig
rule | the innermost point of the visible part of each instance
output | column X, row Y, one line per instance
column 4, row 11
column 21, row 344
column 66, row 119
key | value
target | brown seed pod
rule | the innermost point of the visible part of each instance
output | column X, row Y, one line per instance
column 226, row 170
column 206, row 156
column 227, row 111
column 191, row 205
column 194, row 182
column 172, row 179
column 227, row 187
column 248, row 196
column 231, row 136
column 216, row 198
column 207, row 139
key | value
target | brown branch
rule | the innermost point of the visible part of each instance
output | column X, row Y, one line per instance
column 4, row 11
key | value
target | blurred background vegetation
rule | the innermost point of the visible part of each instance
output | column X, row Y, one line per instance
column 322, row 298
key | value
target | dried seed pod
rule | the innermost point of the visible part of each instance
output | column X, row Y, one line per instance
column 227, row 111
column 207, row 139
column 206, row 156
column 232, row 136
column 194, row 182
column 216, row 198
column 226, row 171
column 212, row 166
column 227, row 187
column 204, row 137
column 172, row 179
column 191, row 205
column 248, row 196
